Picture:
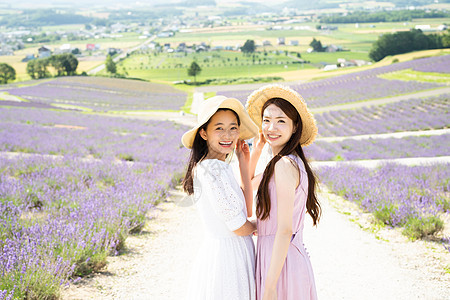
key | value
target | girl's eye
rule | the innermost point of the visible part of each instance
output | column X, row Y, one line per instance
column 234, row 128
column 265, row 120
column 219, row 128
column 281, row 121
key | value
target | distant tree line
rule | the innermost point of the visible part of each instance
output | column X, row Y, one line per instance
column 43, row 17
column 383, row 16
column 64, row 64
column 407, row 41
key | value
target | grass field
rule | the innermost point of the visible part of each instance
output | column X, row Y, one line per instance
column 225, row 64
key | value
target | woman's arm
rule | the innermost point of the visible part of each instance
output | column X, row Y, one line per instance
column 286, row 180
column 243, row 154
column 254, row 157
column 246, row 229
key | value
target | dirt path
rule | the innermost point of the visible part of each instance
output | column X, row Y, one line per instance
column 349, row 263
column 385, row 135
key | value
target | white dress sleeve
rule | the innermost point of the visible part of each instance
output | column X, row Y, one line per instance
column 227, row 202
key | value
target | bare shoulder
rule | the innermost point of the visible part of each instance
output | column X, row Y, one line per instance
column 285, row 170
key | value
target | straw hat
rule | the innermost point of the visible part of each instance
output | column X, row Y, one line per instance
column 257, row 99
column 209, row 107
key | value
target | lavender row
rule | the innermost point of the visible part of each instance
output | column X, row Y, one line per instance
column 60, row 216
column 441, row 64
column 350, row 149
column 59, row 219
column 408, row 115
column 99, row 98
column 83, row 135
column 357, row 86
column 411, row 197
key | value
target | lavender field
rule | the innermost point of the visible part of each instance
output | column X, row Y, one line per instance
column 349, row 149
column 73, row 184
column 62, row 215
column 411, row 197
column 85, row 135
column 414, row 114
column 102, row 94
column 362, row 85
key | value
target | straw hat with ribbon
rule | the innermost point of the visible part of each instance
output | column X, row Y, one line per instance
column 209, row 107
column 257, row 99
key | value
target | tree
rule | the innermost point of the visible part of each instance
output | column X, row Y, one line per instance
column 7, row 73
column 403, row 42
column 194, row 70
column 64, row 64
column 37, row 68
column 446, row 39
column 249, row 47
column 110, row 65
column 317, row 45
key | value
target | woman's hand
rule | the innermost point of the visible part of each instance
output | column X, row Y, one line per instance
column 259, row 142
column 242, row 152
column 255, row 232
column 270, row 294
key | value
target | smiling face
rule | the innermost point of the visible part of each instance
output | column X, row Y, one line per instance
column 221, row 134
column 277, row 127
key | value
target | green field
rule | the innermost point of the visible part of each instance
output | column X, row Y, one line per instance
column 224, row 64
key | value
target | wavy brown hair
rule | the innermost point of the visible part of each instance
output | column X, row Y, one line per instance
column 198, row 152
column 292, row 147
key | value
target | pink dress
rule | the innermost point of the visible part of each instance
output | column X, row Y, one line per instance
column 296, row 280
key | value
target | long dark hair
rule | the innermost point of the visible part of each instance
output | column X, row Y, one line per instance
column 198, row 152
column 292, row 146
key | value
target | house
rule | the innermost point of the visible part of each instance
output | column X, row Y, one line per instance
column 330, row 67
column 28, row 58
column 44, row 52
column 165, row 34
column 65, row 48
column 90, row 47
column 333, row 48
column 423, row 27
column 281, row 41
column 113, row 51
column 293, row 43
column 266, row 43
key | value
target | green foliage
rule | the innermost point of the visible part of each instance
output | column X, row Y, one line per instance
column 249, row 47
column 64, row 64
column 416, row 228
column 7, row 73
column 110, row 65
column 403, row 42
column 37, row 68
column 317, row 45
column 43, row 17
column 383, row 16
column 194, row 70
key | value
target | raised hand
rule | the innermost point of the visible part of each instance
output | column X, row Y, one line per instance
column 260, row 141
column 242, row 151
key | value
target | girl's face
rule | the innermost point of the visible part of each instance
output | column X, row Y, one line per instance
column 221, row 134
column 276, row 127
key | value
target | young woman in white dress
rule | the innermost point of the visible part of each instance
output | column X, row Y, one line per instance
column 225, row 264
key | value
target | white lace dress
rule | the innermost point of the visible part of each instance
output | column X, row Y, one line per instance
column 225, row 263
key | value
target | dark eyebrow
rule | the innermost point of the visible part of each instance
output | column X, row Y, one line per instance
column 223, row 124
column 275, row 117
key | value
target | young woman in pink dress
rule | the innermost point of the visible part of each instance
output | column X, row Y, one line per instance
column 286, row 192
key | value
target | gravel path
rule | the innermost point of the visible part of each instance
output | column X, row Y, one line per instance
column 349, row 263
column 400, row 134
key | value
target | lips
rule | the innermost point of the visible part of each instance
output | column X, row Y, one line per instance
column 273, row 137
column 225, row 144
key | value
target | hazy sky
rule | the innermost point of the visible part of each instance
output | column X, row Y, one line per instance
column 56, row 2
